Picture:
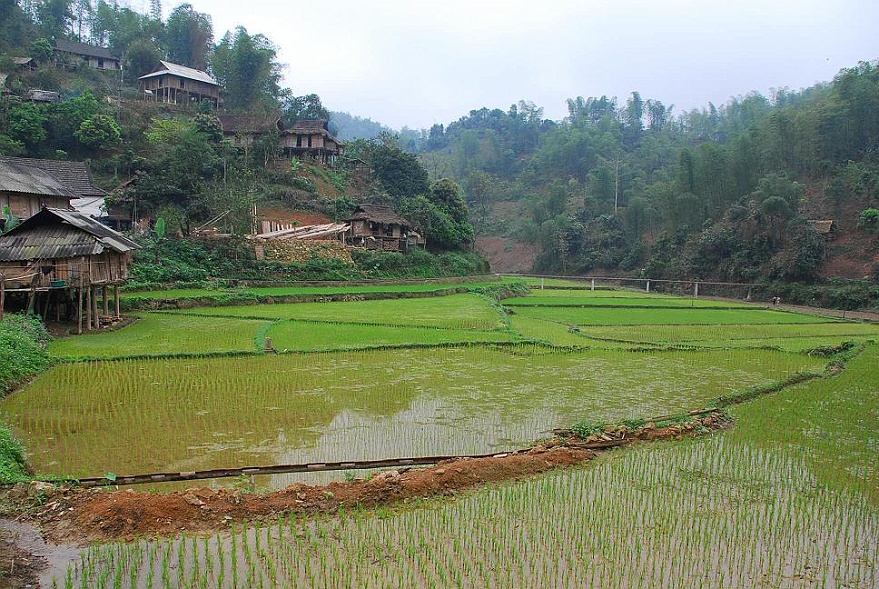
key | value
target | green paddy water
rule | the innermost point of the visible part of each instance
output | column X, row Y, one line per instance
column 132, row 416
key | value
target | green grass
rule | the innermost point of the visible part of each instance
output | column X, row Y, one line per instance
column 164, row 334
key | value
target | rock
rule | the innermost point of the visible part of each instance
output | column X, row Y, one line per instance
column 37, row 488
column 192, row 499
column 440, row 471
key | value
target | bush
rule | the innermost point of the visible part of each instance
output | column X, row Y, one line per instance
column 22, row 349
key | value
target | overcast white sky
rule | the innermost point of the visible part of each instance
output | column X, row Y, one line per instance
column 415, row 63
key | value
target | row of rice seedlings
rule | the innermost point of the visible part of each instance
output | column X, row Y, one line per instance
column 704, row 514
column 149, row 415
column 731, row 335
column 301, row 335
column 463, row 311
column 156, row 333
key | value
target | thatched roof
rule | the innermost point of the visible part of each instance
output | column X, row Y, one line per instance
column 378, row 214
column 58, row 233
column 73, row 177
column 312, row 127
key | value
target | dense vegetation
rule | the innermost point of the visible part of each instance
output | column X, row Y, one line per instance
column 723, row 193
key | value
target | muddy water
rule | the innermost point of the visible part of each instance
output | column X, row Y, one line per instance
column 180, row 415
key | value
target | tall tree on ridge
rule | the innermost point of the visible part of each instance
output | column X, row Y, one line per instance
column 190, row 36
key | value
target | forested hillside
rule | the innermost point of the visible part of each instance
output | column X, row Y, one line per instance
column 725, row 193
column 178, row 161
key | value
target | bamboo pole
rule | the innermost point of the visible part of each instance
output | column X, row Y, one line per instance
column 79, row 304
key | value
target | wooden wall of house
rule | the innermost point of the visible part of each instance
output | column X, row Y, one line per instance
column 169, row 87
column 105, row 268
column 25, row 205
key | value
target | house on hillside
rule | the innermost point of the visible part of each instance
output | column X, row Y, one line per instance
column 46, row 96
column 244, row 129
column 24, row 63
column 57, row 252
column 379, row 227
column 70, row 52
column 312, row 138
column 177, row 84
column 29, row 184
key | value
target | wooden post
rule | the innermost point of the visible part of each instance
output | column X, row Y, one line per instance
column 95, row 315
column 79, row 307
column 648, row 286
column 593, row 284
column 696, row 290
column 88, row 308
column 105, row 299
column 116, row 300
column 2, row 294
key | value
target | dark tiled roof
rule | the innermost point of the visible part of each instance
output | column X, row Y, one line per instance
column 378, row 214
column 73, row 176
column 84, row 49
column 15, row 177
column 58, row 233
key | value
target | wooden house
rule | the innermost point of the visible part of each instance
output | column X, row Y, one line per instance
column 177, row 84
column 379, row 227
column 59, row 251
column 69, row 52
column 29, row 184
column 244, row 129
column 312, row 138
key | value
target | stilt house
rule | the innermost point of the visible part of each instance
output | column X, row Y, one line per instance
column 59, row 253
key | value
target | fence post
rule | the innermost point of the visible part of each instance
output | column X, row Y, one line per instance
column 593, row 284
column 648, row 286
column 696, row 290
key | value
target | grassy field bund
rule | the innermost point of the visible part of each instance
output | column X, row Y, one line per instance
column 787, row 497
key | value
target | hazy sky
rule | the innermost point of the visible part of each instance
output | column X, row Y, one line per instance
column 418, row 63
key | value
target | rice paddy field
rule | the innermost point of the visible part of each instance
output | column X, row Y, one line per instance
column 788, row 497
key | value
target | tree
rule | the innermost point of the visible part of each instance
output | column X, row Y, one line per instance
column 190, row 37
column 399, row 173
column 304, row 108
column 41, row 50
column 245, row 67
column 99, row 132
column 54, row 17
column 27, row 123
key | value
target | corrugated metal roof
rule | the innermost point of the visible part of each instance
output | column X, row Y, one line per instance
column 74, row 176
column 181, row 71
column 58, row 233
column 15, row 177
